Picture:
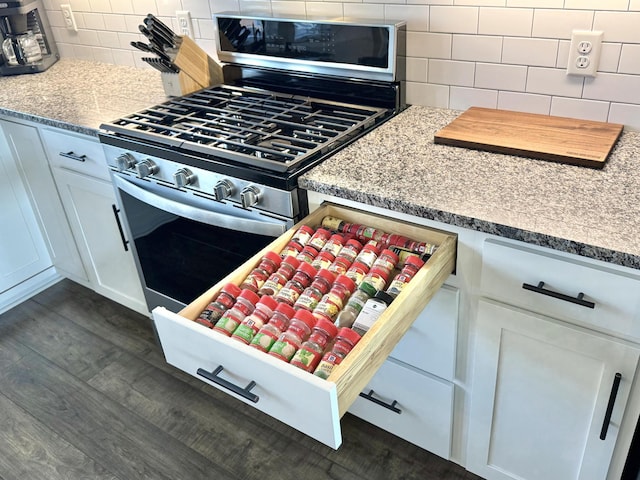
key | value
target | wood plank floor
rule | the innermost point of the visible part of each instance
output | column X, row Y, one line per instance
column 85, row 394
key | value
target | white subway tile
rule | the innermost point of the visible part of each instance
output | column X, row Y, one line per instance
column 88, row 38
column 125, row 39
column 93, row 21
column 430, row 2
column 79, row 5
column 55, row 18
column 630, row 59
column 610, row 57
column 83, row 52
column 530, row 51
column 453, row 19
column 463, row 98
column 613, row 87
column 108, row 39
column 429, row 45
column 524, row 102
column 618, row 26
column 285, row 8
column 255, row 6
column 427, row 95
column 123, row 57
column 634, row 5
column 553, row 81
column 449, row 72
column 416, row 16
column 481, row 3
column 224, row 6
column 64, row 49
column 115, row 23
column 198, row 8
column 387, row 2
column 477, row 48
column 104, row 55
column 579, row 108
column 560, row 23
column 364, row 11
column 80, row 20
column 563, row 53
column 132, row 22
column 121, row 6
column 505, row 21
column 535, row 3
column 100, row 6
column 324, row 10
column 142, row 7
column 205, row 27
column 500, row 77
column 626, row 114
column 596, row 4
column 416, row 69
column 168, row 7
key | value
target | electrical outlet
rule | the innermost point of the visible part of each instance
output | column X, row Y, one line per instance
column 584, row 53
column 185, row 27
column 69, row 19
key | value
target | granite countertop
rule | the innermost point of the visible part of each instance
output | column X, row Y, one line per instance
column 79, row 95
column 593, row 213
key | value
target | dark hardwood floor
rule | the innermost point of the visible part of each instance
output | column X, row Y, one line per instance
column 85, row 394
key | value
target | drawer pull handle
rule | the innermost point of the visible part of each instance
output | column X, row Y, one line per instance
column 391, row 406
column 73, row 156
column 243, row 392
column 116, row 211
column 579, row 300
column 612, row 400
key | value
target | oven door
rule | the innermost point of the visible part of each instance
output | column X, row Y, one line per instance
column 184, row 242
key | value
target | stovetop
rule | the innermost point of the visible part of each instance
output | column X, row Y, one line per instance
column 268, row 130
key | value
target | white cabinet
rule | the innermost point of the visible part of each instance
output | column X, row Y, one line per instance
column 82, row 177
column 541, row 389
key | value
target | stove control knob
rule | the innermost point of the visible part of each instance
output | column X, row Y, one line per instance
column 249, row 196
column 183, row 177
column 146, row 167
column 125, row 161
column 222, row 189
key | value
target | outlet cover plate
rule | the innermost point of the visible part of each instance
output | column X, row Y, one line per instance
column 584, row 52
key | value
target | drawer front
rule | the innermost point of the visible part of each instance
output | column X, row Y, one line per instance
column 310, row 404
column 513, row 274
column 422, row 414
column 76, row 152
column 430, row 343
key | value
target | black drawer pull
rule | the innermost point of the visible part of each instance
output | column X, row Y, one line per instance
column 612, row 400
column 579, row 300
column 73, row 156
column 391, row 406
column 116, row 211
column 243, row 392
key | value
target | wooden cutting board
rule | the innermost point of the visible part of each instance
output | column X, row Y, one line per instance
column 558, row 139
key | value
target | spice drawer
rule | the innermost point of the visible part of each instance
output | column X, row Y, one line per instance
column 410, row 404
column 308, row 403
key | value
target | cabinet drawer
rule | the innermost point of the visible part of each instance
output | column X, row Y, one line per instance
column 310, row 404
column 513, row 273
column 75, row 152
column 411, row 405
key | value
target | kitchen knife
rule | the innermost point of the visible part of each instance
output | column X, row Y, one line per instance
column 161, row 65
column 150, row 49
column 161, row 36
column 158, row 25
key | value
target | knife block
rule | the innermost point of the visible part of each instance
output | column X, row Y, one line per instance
column 197, row 69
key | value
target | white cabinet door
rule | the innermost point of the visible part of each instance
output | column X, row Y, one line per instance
column 540, row 395
column 89, row 203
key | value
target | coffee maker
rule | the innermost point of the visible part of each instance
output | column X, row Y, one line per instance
column 25, row 37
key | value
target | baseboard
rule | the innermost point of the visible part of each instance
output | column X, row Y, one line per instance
column 27, row 289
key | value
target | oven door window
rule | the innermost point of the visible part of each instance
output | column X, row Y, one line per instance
column 181, row 258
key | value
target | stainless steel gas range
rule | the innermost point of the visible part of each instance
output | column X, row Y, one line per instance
column 206, row 180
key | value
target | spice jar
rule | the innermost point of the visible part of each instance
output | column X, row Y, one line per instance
column 387, row 260
column 291, row 249
column 411, row 267
column 293, row 288
column 251, row 324
column 308, row 254
column 371, row 311
column 245, row 304
column 323, row 260
column 276, row 281
column 334, row 244
column 291, row 339
column 319, row 238
column 311, row 295
column 223, row 302
column 378, row 277
column 350, row 251
column 333, row 301
column 368, row 255
column 357, row 272
column 269, row 332
column 268, row 265
column 310, row 352
column 346, row 339
column 352, row 309
column 302, row 235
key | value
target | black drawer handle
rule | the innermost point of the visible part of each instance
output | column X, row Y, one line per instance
column 243, row 392
column 579, row 300
column 612, row 400
column 116, row 211
column 391, row 406
column 73, row 156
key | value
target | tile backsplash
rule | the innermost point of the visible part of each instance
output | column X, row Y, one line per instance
column 509, row 54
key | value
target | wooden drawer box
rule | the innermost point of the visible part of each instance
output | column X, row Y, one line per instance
column 308, row 403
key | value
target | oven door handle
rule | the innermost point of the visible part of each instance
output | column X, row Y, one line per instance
column 230, row 222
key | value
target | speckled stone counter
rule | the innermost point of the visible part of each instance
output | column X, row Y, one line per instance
column 79, row 95
column 594, row 213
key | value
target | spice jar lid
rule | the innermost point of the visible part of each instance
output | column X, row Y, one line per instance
column 414, row 260
column 249, row 295
column 346, row 282
column 306, row 229
column 232, row 289
column 359, row 266
column 384, row 296
column 354, row 243
column 269, row 301
column 327, row 254
column 326, row 325
column 291, row 260
column 306, row 317
column 307, row 268
column 391, row 254
column 293, row 245
column 372, row 245
column 330, row 277
column 286, row 309
column 367, row 288
column 383, row 272
column 349, row 335
column 274, row 257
